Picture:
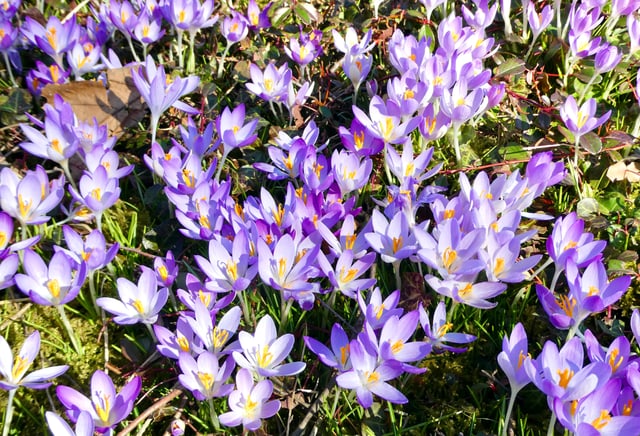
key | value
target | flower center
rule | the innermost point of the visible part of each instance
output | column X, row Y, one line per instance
column 54, row 288
column 264, row 357
column 565, row 377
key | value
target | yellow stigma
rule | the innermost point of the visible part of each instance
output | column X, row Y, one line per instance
column 264, row 357
column 397, row 244
column 55, row 144
column 379, row 311
column 96, row 193
column 410, row 169
column 253, row 17
column 51, row 37
column 344, row 354
column 164, row 274
column 448, row 257
column 145, row 31
column 232, row 270
column 206, row 379
column 3, row 239
column 219, row 337
column 278, row 215
column 55, row 73
column 282, row 268
column 137, row 304
column 465, row 291
column 54, row 288
column 204, row 298
column 386, row 128
column 250, row 406
column 570, row 245
column 24, row 207
column 188, row 179
column 397, row 346
column 627, row 408
column 349, row 241
column 574, row 407
column 408, row 94
column 522, row 358
column 235, row 129
column 448, row 214
column 372, row 377
column 268, row 84
column 499, row 266
column 565, row 377
column 317, row 168
column 615, row 360
column 601, row 421
column 430, row 124
column 303, row 52
column 103, row 409
column 567, row 305
column 582, row 119
column 204, row 222
column 20, row 366
column 444, row 328
column 348, row 276
column 358, row 140
column 181, row 16
column 593, row 291
column 183, row 343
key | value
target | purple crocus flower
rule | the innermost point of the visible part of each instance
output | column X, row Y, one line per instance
column 538, row 21
column 92, row 250
column 183, row 340
column 258, row 18
column 350, row 172
column 384, row 121
column 106, row 406
column 437, row 333
column 14, row 372
column 607, row 59
column 215, row 335
column 57, row 284
column 594, row 414
column 339, row 355
column 569, row 241
column 205, row 378
column 228, row 271
column 465, row 290
column 8, row 268
column 233, row 131
column 272, row 84
column 166, row 269
column 55, row 38
column 345, row 276
column 234, row 28
column 6, row 235
column 617, row 354
column 351, row 43
column 97, row 192
column 512, row 357
column 358, row 140
column 561, row 374
column 42, row 75
column 581, row 120
column 160, row 93
column 263, row 352
column 147, row 30
column 377, row 311
column 137, row 303
column 249, row 403
column 288, row 268
column 29, row 199
column 391, row 239
column 394, row 342
column 368, row 376
column 59, row 427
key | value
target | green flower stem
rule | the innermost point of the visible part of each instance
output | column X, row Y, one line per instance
column 221, row 63
column 542, row 268
column 151, row 333
column 552, row 424
column 133, row 50
column 587, row 87
column 245, row 307
column 8, row 414
column 213, row 416
column 179, row 48
column 456, row 142
column 191, row 61
column 8, row 66
column 225, row 153
column 396, row 273
column 285, row 308
column 507, row 418
column 67, row 325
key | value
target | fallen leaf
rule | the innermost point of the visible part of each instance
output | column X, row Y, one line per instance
column 622, row 171
column 118, row 105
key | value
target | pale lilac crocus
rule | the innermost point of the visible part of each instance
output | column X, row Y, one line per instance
column 233, row 131
column 30, row 198
column 270, row 85
column 215, row 334
column 368, row 376
column 106, row 406
column 336, row 357
column 228, row 270
column 249, row 403
column 59, row 427
column 166, row 269
column 350, row 171
column 184, row 339
column 205, row 377
column 384, row 121
column 13, row 373
column 139, row 302
column 234, row 29
column 258, row 18
column 263, row 352
column 97, row 192
column 378, row 311
column 161, row 92
column 345, row 275
column 395, row 344
column 52, row 285
column 438, row 333
column 391, row 239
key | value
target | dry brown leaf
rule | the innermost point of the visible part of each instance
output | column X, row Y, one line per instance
column 622, row 171
column 118, row 105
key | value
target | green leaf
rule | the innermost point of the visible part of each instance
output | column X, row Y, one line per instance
column 510, row 67
column 587, row 207
column 591, row 142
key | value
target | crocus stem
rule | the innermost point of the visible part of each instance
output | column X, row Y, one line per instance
column 552, row 424
column 531, row 47
column 153, row 127
column 67, row 325
column 221, row 63
column 507, row 418
column 575, row 156
column 285, row 308
column 8, row 414
column 133, row 50
column 456, row 142
column 221, row 163
column 8, row 65
column 386, row 164
column 151, row 333
column 179, row 49
column 396, row 273
column 191, row 61
column 213, row 415
column 542, row 268
column 587, row 87
column 92, row 291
